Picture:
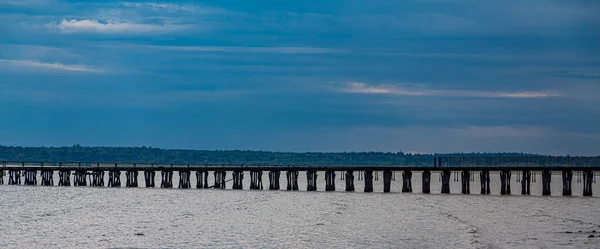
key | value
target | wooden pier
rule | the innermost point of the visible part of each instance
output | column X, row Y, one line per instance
column 525, row 170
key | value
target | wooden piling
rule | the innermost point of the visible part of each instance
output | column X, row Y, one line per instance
column 220, row 176
column 256, row 180
column 330, row 180
column 292, row 180
column 588, row 176
column 274, row 180
column 387, row 181
column 465, row 182
column 546, row 180
column 311, row 180
column 484, row 178
column 184, row 179
column 505, row 182
column 407, row 181
column 426, row 180
column 445, row 181
column 368, row 177
column 64, row 178
column 567, row 178
column 349, row 178
column 526, row 182
column 132, row 178
column 201, row 179
column 149, row 176
column 114, row 178
column 238, row 177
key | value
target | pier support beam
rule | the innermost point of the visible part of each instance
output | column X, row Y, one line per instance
column 588, row 177
column 465, row 177
column 166, row 179
column 484, row 179
column 274, row 180
column 1, row 176
column 220, row 179
column 407, row 181
column 30, row 177
column 14, row 177
column 114, row 178
column 79, row 178
column 330, row 180
column 546, row 180
column 201, row 179
column 567, row 178
column 505, row 182
column 446, row 181
column 238, row 177
column 292, row 180
column 526, row 182
column 426, row 180
column 132, row 178
column 184, row 179
column 311, row 180
column 368, row 176
column 97, row 178
column 349, row 178
column 387, row 181
column 256, row 180
column 149, row 178
column 64, row 178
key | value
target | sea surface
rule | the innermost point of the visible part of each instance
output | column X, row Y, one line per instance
column 100, row 217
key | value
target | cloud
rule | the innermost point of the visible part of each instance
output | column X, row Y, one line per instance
column 170, row 7
column 240, row 49
column 112, row 27
column 411, row 90
column 50, row 66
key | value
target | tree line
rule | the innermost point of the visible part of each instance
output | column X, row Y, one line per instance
column 144, row 154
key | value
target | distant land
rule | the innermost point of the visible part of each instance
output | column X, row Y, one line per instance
column 78, row 153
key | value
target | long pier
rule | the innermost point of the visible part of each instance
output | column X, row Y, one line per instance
column 460, row 168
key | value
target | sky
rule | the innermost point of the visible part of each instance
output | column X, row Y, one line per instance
column 417, row 76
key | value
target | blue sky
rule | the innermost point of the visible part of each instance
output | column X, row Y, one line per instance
column 384, row 75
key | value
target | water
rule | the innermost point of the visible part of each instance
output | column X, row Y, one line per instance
column 88, row 217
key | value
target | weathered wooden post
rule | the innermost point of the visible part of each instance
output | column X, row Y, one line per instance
column 131, row 176
column 274, row 180
column 505, row 182
column 588, row 176
column 114, row 178
column 526, row 182
column 349, row 178
column 311, row 180
column 407, row 181
column 79, row 178
column 426, row 180
column 387, row 180
column 484, row 178
column 445, row 181
column 465, row 182
column 368, row 176
column 166, row 178
column 330, row 180
column 1, row 176
column 201, row 179
column 238, row 177
column 292, row 180
column 546, row 180
column 220, row 179
column 64, row 177
column 149, row 176
column 567, row 178
column 184, row 179
column 256, row 180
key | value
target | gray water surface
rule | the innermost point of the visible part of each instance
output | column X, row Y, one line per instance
column 89, row 217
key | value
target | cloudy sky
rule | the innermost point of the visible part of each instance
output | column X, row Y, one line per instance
column 346, row 75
